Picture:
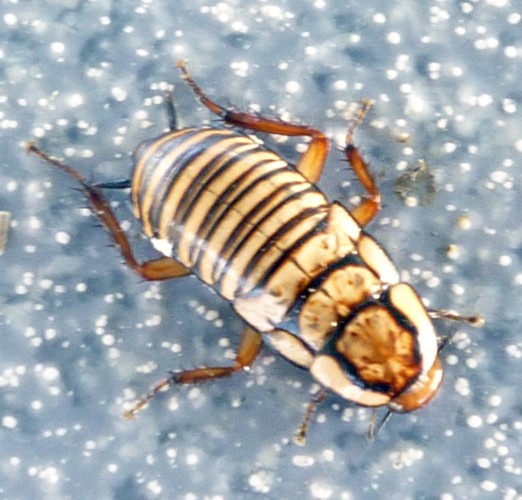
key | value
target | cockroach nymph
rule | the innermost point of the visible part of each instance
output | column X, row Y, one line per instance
column 300, row 270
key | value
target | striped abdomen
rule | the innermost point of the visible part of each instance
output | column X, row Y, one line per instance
column 223, row 206
column 252, row 227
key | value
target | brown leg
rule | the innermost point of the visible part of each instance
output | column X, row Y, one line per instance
column 313, row 160
column 157, row 269
column 476, row 321
column 249, row 347
column 370, row 205
column 302, row 431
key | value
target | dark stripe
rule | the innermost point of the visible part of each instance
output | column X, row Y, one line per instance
column 191, row 202
column 193, row 192
column 211, row 224
column 274, row 238
column 177, row 166
column 287, row 254
column 235, row 244
column 270, row 240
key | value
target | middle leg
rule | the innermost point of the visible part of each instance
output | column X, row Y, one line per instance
column 312, row 161
column 248, row 350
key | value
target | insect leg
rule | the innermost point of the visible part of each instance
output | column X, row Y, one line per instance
column 302, row 431
column 476, row 321
column 157, row 269
column 370, row 205
column 313, row 160
column 171, row 112
column 249, row 347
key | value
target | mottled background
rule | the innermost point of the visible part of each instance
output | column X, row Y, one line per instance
column 81, row 335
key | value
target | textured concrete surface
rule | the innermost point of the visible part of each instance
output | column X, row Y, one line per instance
column 81, row 335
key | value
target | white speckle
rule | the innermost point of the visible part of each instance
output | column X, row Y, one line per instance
column 518, row 145
column 58, row 47
column 450, row 147
column 509, row 105
column 211, row 315
column 50, row 334
column 62, row 237
column 328, row 455
column 484, row 463
column 505, row 260
column 474, row 421
column 510, row 52
column 75, row 100
column 303, row 460
column 321, row 491
column 498, row 176
column 484, row 100
column 261, row 481
column 272, row 11
column 495, row 400
column 497, row 3
column 340, row 85
column 411, row 201
column 514, row 351
column 10, row 19
column 50, row 474
column 379, row 18
column 292, row 87
column 394, row 38
column 415, row 104
column 462, row 386
column 9, row 422
column 240, row 68
column 50, row 373
column 119, row 94
column 108, row 340
column 112, row 468
column 154, row 321
column 192, row 459
column 488, row 485
column 154, row 487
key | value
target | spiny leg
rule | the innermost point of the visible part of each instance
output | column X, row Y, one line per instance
column 248, row 350
column 302, row 431
column 311, row 163
column 157, row 269
column 476, row 321
column 370, row 205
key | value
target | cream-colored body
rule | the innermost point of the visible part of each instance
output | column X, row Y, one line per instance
column 297, row 268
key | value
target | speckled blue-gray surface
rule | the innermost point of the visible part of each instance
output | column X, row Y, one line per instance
column 81, row 335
